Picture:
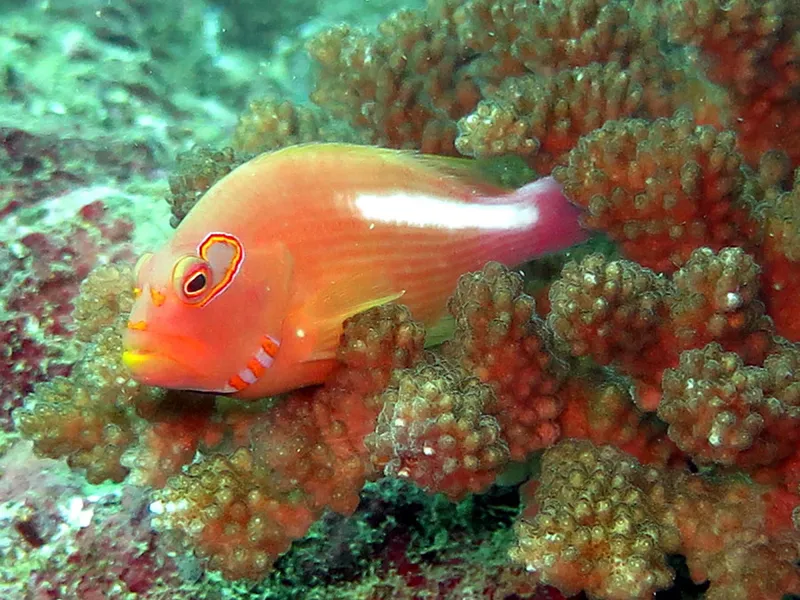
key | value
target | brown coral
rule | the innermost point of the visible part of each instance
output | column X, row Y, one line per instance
column 610, row 310
column 719, row 410
column 88, row 418
column 223, row 508
column 661, row 189
column 589, row 525
column 500, row 340
column 599, row 521
column 619, row 313
column 435, row 430
column 270, row 124
column 307, row 453
column 753, row 49
column 346, row 409
column 196, row 171
column 69, row 418
column 781, row 259
column 542, row 117
column 405, row 86
column 543, row 37
column 602, row 410
column 104, row 295
column 723, row 521
column 716, row 297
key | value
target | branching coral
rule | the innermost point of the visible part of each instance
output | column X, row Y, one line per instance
column 242, row 510
column 406, row 86
column 270, row 124
column 601, row 409
column 601, row 522
column 194, row 175
column 722, row 411
column 716, row 534
column 661, row 189
column 264, row 477
column 86, row 417
column 544, row 37
column 611, row 310
column 435, row 429
column 781, row 257
column 541, row 117
column 562, row 67
column 68, row 418
column 621, row 313
column 99, row 418
column 590, row 526
column 499, row 339
column 753, row 50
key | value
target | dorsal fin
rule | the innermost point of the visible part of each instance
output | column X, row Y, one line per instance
column 465, row 169
column 491, row 175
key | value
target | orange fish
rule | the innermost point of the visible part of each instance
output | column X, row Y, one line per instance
column 249, row 295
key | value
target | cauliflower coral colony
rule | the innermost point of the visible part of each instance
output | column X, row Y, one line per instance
column 656, row 385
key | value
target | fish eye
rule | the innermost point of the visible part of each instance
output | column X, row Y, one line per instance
column 191, row 279
column 195, row 284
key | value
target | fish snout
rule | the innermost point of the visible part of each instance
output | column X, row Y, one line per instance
column 135, row 353
column 146, row 364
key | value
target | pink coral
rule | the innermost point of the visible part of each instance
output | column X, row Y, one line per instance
column 436, row 430
column 500, row 340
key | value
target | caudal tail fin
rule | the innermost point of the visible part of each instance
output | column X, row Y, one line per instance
column 558, row 225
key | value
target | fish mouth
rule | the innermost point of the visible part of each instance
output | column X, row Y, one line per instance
column 155, row 367
column 134, row 359
column 151, row 368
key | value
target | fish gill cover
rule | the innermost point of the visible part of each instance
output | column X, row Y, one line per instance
column 645, row 387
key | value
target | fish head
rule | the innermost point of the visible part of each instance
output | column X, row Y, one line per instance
column 201, row 312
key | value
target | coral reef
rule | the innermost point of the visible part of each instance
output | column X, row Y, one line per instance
column 661, row 189
column 436, row 429
column 441, row 422
column 599, row 521
column 195, row 172
column 591, row 527
column 650, row 394
column 499, row 339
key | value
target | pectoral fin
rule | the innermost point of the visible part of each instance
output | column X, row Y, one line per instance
column 319, row 320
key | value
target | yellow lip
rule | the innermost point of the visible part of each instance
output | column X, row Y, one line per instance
column 154, row 367
column 134, row 360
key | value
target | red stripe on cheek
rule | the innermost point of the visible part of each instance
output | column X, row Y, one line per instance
column 256, row 367
column 270, row 347
column 237, row 383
